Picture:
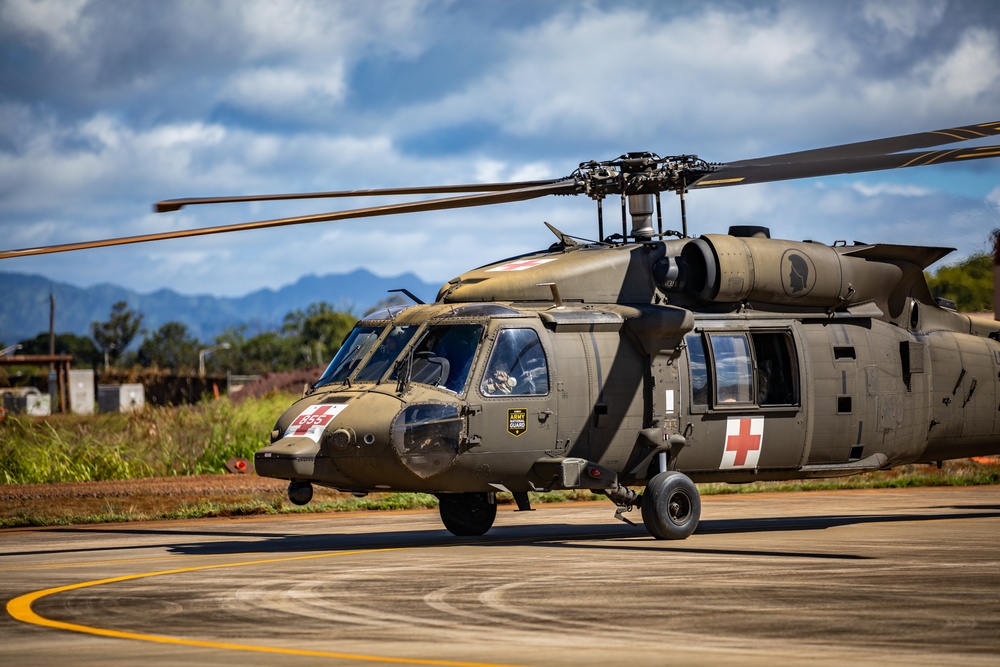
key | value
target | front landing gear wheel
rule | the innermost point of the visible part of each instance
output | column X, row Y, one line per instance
column 671, row 506
column 467, row 514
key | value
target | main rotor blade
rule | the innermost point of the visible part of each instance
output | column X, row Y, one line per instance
column 908, row 142
column 177, row 204
column 561, row 187
column 731, row 174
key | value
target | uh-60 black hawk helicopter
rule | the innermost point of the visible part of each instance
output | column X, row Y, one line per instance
column 648, row 358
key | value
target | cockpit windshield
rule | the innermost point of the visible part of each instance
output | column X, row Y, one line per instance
column 443, row 356
column 358, row 342
column 395, row 340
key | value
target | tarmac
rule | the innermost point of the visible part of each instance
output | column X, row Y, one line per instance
column 893, row 577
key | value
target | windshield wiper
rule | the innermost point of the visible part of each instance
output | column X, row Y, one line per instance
column 402, row 370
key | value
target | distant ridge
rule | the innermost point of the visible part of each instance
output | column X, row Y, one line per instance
column 24, row 303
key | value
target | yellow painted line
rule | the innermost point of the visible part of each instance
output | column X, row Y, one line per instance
column 20, row 609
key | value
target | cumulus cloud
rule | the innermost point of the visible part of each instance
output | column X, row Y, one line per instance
column 61, row 24
column 894, row 189
column 904, row 19
column 104, row 111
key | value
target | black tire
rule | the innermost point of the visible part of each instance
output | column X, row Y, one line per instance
column 671, row 506
column 467, row 514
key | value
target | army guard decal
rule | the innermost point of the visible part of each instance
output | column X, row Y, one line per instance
column 744, row 440
column 517, row 421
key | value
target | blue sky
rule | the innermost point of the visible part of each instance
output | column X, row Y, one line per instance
column 107, row 106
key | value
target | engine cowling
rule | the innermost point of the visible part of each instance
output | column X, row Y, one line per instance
column 731, row 269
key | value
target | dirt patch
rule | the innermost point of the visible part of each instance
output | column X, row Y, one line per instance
column 154, row 496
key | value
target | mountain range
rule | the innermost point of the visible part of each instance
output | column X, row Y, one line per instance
column 24, row 303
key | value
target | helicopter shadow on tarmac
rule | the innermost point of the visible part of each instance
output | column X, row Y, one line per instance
column 543, row 535
column 610, row 536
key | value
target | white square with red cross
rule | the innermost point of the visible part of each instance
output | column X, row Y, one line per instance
column 313, row 421
column 744, row 442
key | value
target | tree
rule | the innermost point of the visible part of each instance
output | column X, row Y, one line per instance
column 266, row 352
column 171, row 346
column 84, row 352
column 261, row 353
column 308, row 337
column 117, row 333
column 969, row 284
column 318, row 331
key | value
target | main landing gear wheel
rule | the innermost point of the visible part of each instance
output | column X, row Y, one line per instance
column 671, row 506
column 467, row 514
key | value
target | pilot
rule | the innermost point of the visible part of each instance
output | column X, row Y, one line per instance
column 499, row 382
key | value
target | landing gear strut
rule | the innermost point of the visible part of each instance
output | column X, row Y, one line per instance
column 467, row 514
column 671, row 506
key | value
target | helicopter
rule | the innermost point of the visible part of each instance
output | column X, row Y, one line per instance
column 647, row 358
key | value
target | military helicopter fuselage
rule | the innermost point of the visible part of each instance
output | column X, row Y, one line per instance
column 725, row 358
column 641, row 361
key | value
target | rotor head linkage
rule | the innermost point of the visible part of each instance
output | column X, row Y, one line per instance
column 640, row 174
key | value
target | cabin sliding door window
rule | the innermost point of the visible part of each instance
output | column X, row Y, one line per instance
column 777, row 373
column 758, row 368
column 698, row 370
column 733, row 369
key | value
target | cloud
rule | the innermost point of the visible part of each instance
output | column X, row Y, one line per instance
column 904, row 20
column 61, row 24
column 894, row 189
column 287, row 92
column 103, row 111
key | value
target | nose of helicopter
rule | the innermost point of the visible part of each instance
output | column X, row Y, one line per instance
column 363, row 441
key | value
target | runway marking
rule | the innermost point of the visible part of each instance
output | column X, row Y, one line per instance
column 20, row 609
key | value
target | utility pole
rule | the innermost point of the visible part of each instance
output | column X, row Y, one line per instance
column 54, row 393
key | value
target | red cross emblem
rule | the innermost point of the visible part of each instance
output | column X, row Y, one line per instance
column 313, row 420
column 744, row 441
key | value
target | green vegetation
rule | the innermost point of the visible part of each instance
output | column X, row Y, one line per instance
column 199, row 439
column 171, row 346
column 84, row 351
column 157, row 441
column 309, row 337
column 969, row 284
column 115, row 334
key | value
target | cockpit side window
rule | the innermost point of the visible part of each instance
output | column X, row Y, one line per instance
column 517, row 365
column 443, row 356
column 355, row 347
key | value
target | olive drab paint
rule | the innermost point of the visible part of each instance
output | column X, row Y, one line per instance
column 649, row 358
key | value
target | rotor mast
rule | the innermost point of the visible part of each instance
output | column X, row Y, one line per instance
column 639, row 178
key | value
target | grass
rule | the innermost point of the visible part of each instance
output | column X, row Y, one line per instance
column 153, row 442
column 199, row 439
